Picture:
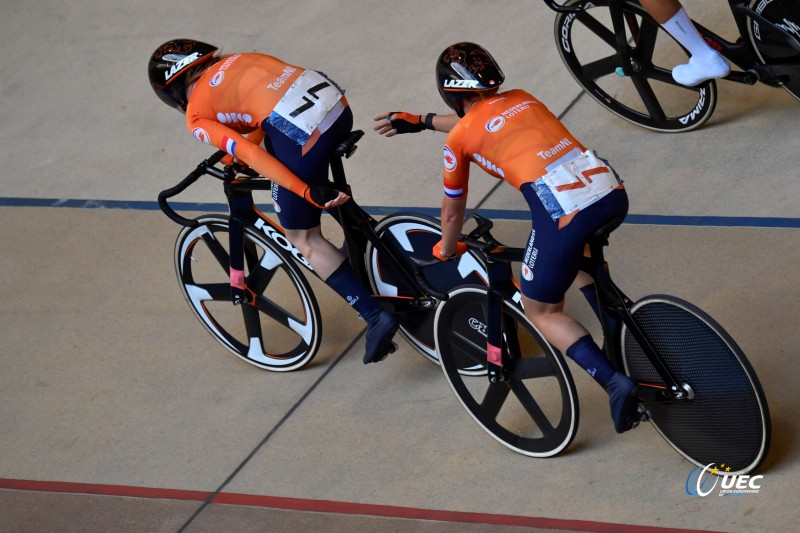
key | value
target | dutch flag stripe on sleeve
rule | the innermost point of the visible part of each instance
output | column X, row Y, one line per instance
column 451, row 192
column 229, row 145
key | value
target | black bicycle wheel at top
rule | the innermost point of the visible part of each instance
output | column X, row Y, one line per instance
column 641, row 91
column 726, row 420
column 772, row 48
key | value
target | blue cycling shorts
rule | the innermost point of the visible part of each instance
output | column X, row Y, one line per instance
column 552, row 257
column 293, row 211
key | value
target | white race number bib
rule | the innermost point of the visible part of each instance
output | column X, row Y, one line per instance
column 576, row 184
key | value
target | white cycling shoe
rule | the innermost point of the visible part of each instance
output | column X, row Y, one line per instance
column 698, row 70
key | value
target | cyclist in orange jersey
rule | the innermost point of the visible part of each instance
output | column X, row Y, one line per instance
column 283, row 121
column 571, row 193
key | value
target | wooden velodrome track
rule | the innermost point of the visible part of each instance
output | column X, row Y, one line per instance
column 118, row 412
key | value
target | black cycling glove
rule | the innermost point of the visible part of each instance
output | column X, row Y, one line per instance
column 406, row 122
column 320, row 195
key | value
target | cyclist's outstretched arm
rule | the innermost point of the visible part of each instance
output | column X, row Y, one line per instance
column 261, row 161
column 396, row 122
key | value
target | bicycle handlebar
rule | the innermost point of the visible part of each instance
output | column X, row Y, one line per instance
column 205, row 167
column 561, row 8
column 479, row 239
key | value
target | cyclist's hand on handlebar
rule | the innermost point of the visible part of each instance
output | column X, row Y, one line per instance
column 461, row 248
column 324, row 197
column 396, row 122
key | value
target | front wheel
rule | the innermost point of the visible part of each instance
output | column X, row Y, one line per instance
column 724, row 418
column 281, row 330
column 533, row 412
column 641, row 91
column 416, row 234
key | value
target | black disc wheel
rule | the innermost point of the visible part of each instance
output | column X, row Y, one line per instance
column 724, row 416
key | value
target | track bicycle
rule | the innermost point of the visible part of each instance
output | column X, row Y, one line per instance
column 623, row 58
column 278, row 325
column 695, row 384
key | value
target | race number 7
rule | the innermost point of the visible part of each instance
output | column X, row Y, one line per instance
column 307, row 102
column 578, row 183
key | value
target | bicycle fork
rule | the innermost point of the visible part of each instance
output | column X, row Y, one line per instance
column 496, row 344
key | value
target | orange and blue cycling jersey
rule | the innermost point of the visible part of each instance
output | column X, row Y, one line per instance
column 511, row 136
column 569, row 190
column 243, row 94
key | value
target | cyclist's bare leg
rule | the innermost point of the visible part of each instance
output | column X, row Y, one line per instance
column 317, row 250
column 572, row 339
column 330, row 265
column 661, row 10
column 560, row 329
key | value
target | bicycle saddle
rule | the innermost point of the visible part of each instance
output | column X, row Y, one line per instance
column 601, row 235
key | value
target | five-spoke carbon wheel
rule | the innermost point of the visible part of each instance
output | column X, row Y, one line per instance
column 282, row 329
column 535, row 410
column 640, row 90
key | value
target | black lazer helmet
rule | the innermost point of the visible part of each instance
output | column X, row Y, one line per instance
column 464, row 69
column 173, row 66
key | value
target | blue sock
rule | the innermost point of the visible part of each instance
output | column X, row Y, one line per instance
column 590, row 358
column 347, row 285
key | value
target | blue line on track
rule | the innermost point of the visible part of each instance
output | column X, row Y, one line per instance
column 497, row 214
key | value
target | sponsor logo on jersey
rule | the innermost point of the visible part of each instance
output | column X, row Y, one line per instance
column 450, row 162
column 228, row 62
column 216, row 79
column 495, row 123
column 529, row 261
column 461, row 84
column 228, row 118
column 285, row 75
column 562, row 145
column 229, row 145
column 201, row 135
column 488, row 165
column 522, row 106
column 527, row 273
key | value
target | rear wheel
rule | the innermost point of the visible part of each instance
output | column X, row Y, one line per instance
column 416, row 234
column 725, row 418
column 769, row 47
column 533, row 412
column 281, row 330
column 642, row 92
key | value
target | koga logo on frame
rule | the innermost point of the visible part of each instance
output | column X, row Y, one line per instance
column 703, row 480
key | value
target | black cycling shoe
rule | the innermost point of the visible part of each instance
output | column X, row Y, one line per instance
column 379, row 337
column 623, row 397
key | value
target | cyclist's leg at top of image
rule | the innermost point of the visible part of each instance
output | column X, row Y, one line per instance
column 301, row 220
column 705, row 62
column 550, row 266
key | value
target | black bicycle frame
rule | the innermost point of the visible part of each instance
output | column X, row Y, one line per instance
column 357, row 225
column 614, row 302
